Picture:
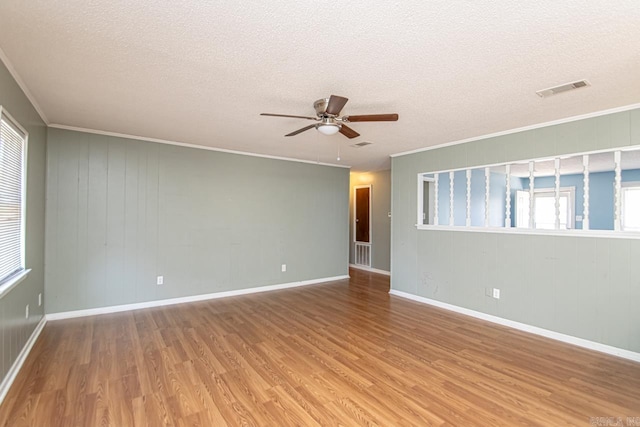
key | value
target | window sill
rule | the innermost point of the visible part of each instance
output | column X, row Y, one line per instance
column 537, row 232
column 13, row 281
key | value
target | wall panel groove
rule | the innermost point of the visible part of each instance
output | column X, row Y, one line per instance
column 127, row 211
column 586, row 287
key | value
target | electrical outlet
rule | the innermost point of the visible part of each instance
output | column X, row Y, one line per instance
column 496, row 293
column 160, row 280
column 26, row 312
column 284, row 267
column 40, row 299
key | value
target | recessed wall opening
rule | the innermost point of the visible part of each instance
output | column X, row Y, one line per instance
column 538, row 195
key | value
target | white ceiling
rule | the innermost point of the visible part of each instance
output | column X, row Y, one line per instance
column 200, row 72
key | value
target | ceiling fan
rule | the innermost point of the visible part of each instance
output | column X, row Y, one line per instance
column 328, row 112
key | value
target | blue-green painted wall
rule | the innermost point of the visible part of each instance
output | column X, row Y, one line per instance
column 586, row 287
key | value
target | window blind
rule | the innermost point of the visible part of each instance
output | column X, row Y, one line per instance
column 12, row 142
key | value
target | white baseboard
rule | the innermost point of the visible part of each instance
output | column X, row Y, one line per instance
column 17, row 364
column 180, row 300
column 591, row 345
column 371, row 269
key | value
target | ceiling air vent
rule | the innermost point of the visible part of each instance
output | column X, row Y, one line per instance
column 362, row 144
column 562, row 88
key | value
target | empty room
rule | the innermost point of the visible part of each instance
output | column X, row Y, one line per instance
column 307, row 214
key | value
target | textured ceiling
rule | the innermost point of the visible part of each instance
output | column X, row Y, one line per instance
column 201, row 72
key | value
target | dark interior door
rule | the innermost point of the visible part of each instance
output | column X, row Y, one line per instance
column 362, row 214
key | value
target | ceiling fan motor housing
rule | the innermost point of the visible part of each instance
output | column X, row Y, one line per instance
column 328, row 114
column 321, row 106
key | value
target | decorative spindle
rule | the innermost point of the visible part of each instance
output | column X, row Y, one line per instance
column 435, row 199
column 468, row 197
column 557, row 193
column 487, row 181
column 507, row 214
column 585, row 205
column 617, row 223
column 531, row 198
column 451, row 176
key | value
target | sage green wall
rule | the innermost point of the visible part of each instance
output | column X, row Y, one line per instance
column 380, row 222
column 581, row 286
column 121, row 212
column 15, row 328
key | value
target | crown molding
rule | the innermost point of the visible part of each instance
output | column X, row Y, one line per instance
column 187, row 145
column 23, row 86
column 522, row 129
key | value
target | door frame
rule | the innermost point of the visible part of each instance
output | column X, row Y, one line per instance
column 369, row 186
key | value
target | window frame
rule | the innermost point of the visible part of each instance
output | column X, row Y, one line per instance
column 423, row 216
column 626, row 186
column 617, row 232
column 551, row 193
column 9, row 282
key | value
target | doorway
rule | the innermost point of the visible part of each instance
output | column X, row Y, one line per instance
column 362, row 224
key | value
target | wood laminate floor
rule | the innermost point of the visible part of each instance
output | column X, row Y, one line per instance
column 343, row 353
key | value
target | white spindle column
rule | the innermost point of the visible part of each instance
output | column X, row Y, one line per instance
column 507, row 214
column 487, row 188
column 531, row 198
column 617, row 223
column 585, row 205
column 557, row 193
column 451, row 218
column 436, row 221
column 468, row 198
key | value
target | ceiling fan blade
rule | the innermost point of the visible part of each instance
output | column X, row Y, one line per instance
column 300, row 130
column 336, row 103
column 348, row 132
column 371, row 118
column 287, row 115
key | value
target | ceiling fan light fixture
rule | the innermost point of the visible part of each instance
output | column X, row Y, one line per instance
column 328, row 128
column 328, row 114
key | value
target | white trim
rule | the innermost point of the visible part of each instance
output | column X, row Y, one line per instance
column 23, row 86
column 507, row 197
column 617, row 158
column 522, row 129
column 193, row 298
column 585, row 192
column 187, row 145
column 436, row 196
column 370, row 269
column 556, row 199
column 420, row 215
column 17, row 364
column 468, row 200
column 423, row 216
column 536, row 231
column 21, row 275
column 623, row 195
column 580, row 342
column 452, row 179
column 13, row 281
column 4, row 112
column 617, row 232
